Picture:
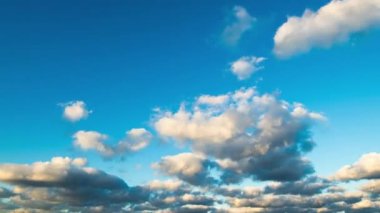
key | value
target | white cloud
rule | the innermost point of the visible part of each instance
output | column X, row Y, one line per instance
column 189, row 167
column 212, row 100
column 242, row 23
column 92, row 140
column 245, row 66
column 332, row 23
column 187, row 164
column 372, row 187
column 276, row 132
column 75, row 111
column 169, row 185
column 367, row 167
column 135, row 140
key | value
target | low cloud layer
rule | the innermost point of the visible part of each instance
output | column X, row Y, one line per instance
column 332, row 23
column 66, row 184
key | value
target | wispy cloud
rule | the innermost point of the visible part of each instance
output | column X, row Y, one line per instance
column 242, row 22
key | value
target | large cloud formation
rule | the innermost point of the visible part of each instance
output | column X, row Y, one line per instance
column 334, row 22
column 68, row 185
column 248, row 134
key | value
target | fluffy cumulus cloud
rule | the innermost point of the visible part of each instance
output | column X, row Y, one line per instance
column 242, row 22
column 367, row 167
column 65, row 184
column 247, row 134
column 135, row 140
column 189, row 167
column 75, row 111
column 245, row 66
column 334, row 22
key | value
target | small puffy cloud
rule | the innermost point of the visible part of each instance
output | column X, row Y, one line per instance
column 188, row 167
column 92, row 140
column 245, row 66
column 334, row 22
column 367, row 167
column 75, row 111
column 135, row 140
column 276, row 132
column 243, row 22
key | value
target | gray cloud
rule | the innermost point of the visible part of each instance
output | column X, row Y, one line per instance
column 309, row 186
column 65, row 183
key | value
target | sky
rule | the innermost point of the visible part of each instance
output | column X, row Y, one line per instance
column 189, row 106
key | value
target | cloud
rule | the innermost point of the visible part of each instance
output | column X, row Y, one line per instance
column 249, row 135
column 372, row 187
column 334, row 22
column 75, row 111
column 243, row 22
column 188, row 167
column 309, row 186
column 65, row 183
column 169, row 185
column 5, row 193
column 328, row 202
column 136, row 139
column 68, row 185
column 245, row 66
column 367, row 167
column 175, row 196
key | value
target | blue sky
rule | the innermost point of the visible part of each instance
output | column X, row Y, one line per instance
column 124, row 59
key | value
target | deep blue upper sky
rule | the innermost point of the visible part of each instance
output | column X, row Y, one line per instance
column 124, row 58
